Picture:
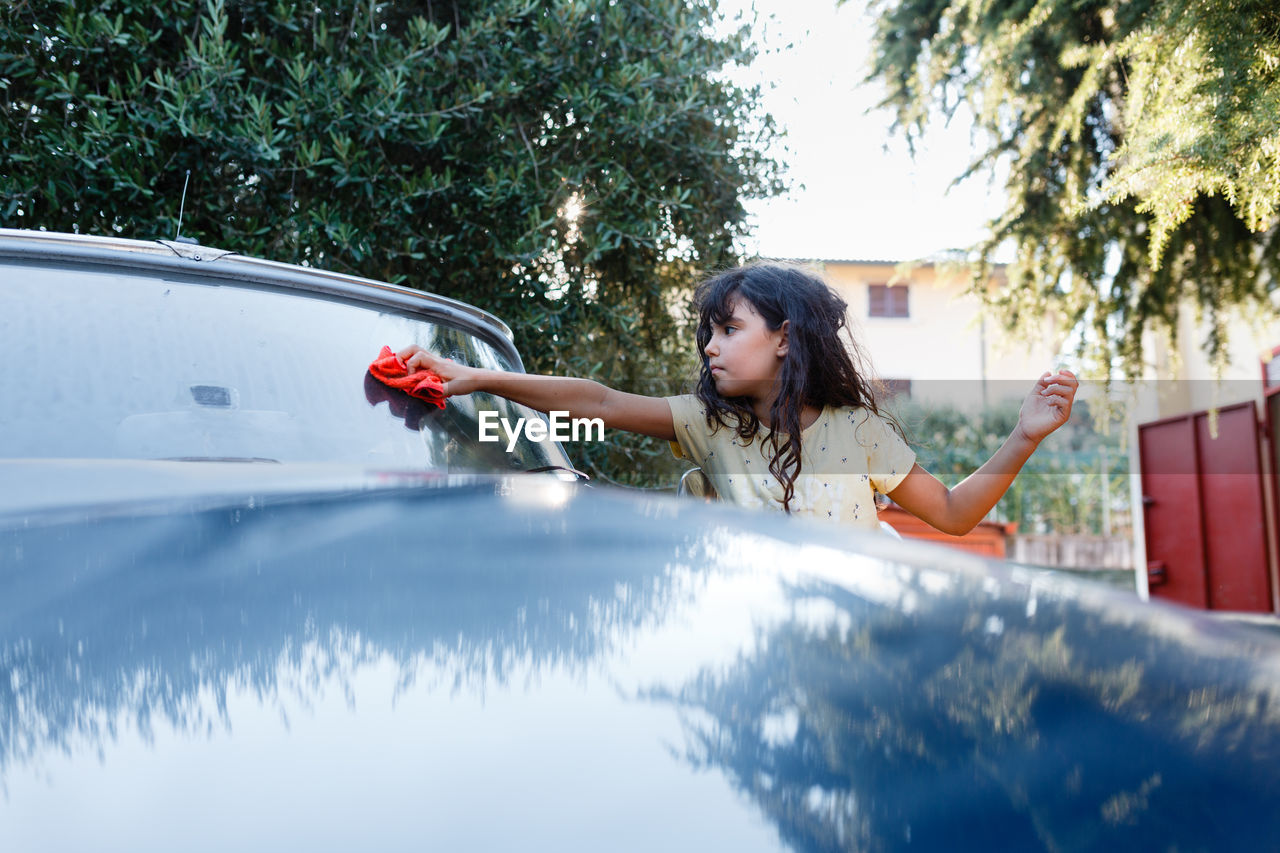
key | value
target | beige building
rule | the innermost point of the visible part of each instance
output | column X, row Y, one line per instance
column 926, row 334
column 923, row 330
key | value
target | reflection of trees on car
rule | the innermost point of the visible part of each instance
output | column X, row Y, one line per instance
column 861, row 699
column 948, row 727
column 149, row 613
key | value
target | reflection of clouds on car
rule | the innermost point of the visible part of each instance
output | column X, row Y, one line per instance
column 267, row 582
column 571, row 640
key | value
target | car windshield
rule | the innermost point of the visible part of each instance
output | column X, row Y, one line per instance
column 146, row 365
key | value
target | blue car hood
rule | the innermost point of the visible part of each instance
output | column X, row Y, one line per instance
column 521, row 664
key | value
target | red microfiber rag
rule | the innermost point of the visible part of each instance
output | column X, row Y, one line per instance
column 388, row 369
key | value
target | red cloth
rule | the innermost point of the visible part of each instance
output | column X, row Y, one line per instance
column 388, row 369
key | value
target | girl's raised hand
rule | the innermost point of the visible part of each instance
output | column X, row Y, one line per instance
column 1048, row 406
column 458, row 378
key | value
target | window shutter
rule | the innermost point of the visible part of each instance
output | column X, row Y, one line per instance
column 886, row 301
column 878, row 306
column 898, row 300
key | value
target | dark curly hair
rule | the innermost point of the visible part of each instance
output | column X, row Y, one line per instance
column 822, row 367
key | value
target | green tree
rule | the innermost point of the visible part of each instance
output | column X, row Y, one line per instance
column 1142, row 146
column 568, row 165
column 1079, row 484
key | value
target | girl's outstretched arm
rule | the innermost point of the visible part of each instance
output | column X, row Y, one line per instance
column 958, row 510
column 581, row 398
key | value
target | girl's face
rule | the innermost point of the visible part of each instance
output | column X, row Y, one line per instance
column 744, row 355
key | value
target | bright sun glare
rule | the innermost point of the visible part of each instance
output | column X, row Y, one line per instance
column 572, row 208
column 571, row 211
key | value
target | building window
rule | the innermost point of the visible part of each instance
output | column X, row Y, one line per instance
column 888, row 301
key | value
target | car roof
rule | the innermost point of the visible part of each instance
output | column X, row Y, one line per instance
column 600, row 670
column 209, row 261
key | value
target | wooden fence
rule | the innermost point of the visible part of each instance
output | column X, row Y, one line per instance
column 1072, row 552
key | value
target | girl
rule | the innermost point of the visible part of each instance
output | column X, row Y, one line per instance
column 782, row 416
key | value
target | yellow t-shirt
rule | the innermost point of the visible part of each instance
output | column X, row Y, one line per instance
column 844, row 455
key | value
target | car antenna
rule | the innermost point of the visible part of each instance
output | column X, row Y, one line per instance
column 182, row 205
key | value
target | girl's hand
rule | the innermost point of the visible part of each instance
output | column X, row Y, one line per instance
column 458, row 378
column 1048, row 406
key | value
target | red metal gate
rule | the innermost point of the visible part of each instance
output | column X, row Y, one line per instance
column 1203, row 510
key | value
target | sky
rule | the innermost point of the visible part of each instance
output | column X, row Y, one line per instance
column 857, row 193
